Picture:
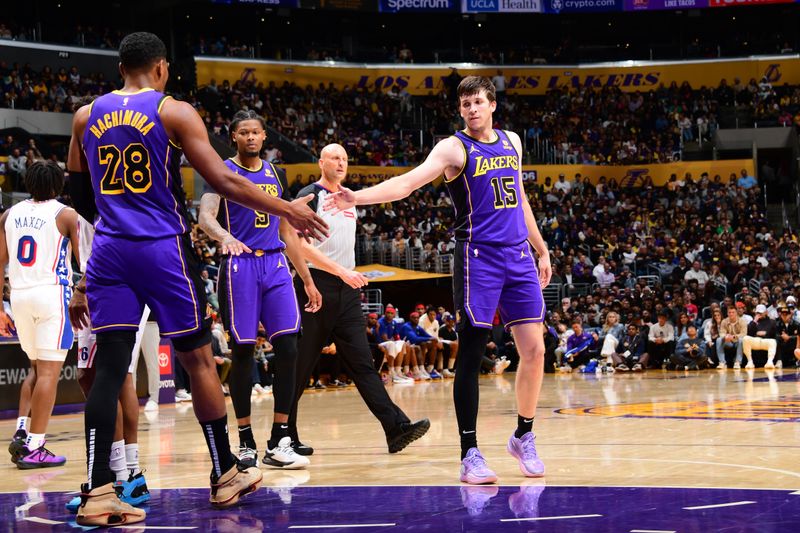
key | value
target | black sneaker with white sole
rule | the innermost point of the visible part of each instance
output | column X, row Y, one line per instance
column 405, row 434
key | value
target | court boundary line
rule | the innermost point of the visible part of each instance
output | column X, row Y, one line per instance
column 206, row 487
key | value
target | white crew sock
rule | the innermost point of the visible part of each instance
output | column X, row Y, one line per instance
column 23, row 422
column 34, row 441
column 117, row 460
column 132, row 456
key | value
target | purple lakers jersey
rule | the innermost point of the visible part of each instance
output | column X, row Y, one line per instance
column 135, row 168
column 487, row 194
column 258, row 231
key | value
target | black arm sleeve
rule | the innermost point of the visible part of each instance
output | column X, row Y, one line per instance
column 285, row 193
column 82, row 195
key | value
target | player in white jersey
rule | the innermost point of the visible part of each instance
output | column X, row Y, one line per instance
column 37, row 237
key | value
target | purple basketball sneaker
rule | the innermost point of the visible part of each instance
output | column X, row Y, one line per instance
column 524, row 450
column 41, row 457
column 474, row 469
column 476, row 498
column 525, row 503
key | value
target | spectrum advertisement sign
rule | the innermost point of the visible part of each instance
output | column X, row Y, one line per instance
column 417, row 6
column 581, row 6
column 501, row 6
column 653, row 5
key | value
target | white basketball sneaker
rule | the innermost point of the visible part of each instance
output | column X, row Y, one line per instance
column 283, row 456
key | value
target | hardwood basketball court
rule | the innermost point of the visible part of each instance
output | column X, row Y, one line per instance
column 656, row 436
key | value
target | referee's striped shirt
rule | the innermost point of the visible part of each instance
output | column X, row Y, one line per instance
column 340, row 246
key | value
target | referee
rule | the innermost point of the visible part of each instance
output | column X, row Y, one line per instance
column 341, row 320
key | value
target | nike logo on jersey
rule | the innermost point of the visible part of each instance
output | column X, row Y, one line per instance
column 472, row 148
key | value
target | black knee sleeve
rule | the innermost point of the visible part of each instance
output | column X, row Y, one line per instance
column 285, row 361
column 193, row 341
column 111, row 364
column 240, row 378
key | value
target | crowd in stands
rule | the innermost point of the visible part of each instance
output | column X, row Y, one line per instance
column 58, row 90
column 587, row 125
column 706, row 252
column 366, row 123
column 595, row 126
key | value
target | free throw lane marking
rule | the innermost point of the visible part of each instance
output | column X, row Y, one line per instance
column 38, row 520
column 334, row 526
column 550, row 518
column 731, row 504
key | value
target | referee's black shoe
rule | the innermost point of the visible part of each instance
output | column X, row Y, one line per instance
column 302, row 449
column 298, row 447
column 404, row 434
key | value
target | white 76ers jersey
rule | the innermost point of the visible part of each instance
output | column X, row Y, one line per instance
column 38, row 254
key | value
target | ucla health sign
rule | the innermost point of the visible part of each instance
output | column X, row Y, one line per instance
column 581, row 6
column 501, row 6
column 410, row 6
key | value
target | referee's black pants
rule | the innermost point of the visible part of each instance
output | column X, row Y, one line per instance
column 341, row 321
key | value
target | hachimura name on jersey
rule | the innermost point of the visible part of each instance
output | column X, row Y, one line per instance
column 135, row 168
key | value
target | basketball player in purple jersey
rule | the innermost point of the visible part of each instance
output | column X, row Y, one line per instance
column 495, row 265
column 127, row 145
column 255, row 286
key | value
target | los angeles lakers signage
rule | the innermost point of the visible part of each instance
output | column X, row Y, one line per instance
column 526, row 80
column 547, row 175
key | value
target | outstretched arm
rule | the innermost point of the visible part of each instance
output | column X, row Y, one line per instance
column 447, row 156
column 184, row 125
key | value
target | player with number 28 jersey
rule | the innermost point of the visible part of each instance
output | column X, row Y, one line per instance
column 135, row 171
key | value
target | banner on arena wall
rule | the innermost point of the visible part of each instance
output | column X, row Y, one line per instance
column 581, row 6
column 732, row 3
column 417, row 6
column 634, row 175
column 501, row 6
column 69, row 397
column 368, row 175
column 652, row 5
column 628, row 175
column 265, row 3
column 629, row 76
